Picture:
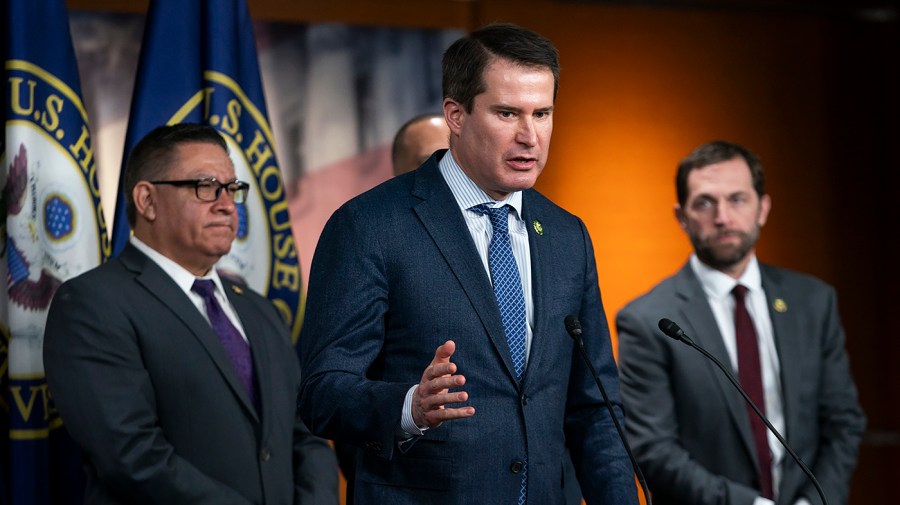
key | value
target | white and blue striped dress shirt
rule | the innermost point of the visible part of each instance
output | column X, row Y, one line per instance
column 468, row 195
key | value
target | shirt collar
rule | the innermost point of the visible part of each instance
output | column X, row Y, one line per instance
column 718, row 285
column 467, row 193
column 179, row 274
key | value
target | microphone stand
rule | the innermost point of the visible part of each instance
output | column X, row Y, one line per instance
column 673, row 331
column 573, row 327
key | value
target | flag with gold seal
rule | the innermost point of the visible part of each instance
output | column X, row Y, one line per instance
column 198, row 64
column 51, row 229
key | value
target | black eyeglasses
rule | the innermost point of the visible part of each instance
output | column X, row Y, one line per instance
column 208, row 189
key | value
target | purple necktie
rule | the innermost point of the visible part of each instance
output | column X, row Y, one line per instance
column 750, row 375
column 235, row 345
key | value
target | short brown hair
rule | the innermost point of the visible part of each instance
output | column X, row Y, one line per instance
column 465, row 60
column 717, row 152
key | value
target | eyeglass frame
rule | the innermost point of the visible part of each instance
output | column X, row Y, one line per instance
column 242, row 187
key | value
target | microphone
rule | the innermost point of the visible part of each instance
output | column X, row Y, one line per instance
column 573, row 328
column 674, row 331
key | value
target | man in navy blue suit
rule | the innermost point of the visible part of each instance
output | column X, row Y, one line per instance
column 434, row 336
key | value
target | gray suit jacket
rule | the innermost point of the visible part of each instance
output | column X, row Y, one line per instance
column 689, row 427
column 148, row 392
column 395, row 275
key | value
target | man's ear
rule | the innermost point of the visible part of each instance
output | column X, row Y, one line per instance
column 680, row 217
column 453, row 113
column 145, row 204
column 765, row 205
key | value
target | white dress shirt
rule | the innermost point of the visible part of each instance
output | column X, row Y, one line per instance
column 717, row 286
column 185, row 280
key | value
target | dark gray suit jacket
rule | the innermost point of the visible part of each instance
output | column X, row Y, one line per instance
column 148, row 392
column 395, row 275
column 689, row 427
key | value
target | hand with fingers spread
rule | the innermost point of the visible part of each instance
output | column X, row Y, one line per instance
column 430, row 398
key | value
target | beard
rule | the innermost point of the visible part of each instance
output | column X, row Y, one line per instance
column 724, row 256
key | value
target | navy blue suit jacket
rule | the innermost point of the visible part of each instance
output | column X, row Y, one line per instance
column 395, row 275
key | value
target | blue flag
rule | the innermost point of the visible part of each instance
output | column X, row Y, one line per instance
column 198, row 64
column 52, row 230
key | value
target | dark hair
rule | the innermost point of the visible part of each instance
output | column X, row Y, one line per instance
column 151, row 157
column 717, row 152
column 465, row 60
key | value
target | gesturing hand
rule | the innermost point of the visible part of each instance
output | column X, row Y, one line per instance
column 430, row 398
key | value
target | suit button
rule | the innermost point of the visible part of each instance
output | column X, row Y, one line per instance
column 515, row 467
column 524, row 399
column 265, row 454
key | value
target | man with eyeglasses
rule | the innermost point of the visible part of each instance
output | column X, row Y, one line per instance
column 181, row 386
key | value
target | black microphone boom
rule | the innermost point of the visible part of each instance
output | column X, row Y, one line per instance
column 673, row 331
column 573, row 328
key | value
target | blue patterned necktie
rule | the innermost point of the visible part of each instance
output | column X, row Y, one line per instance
column 510, row 298
column 235, row 345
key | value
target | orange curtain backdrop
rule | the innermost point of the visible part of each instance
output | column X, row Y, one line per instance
column 640, row 89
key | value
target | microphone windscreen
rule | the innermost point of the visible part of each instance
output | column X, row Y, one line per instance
column 671, row 329
column 573, row 326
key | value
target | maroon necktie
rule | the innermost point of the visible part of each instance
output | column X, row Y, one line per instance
column 235, row 345
column 750, row 375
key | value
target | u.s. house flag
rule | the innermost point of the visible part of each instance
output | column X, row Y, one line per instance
column 51, row 229
column 198, row 64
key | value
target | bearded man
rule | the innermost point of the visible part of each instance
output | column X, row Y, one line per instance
column 692, row 433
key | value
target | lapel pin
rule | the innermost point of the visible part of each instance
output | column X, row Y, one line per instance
column 780, row 305
column 537, row 227
column 237, row 289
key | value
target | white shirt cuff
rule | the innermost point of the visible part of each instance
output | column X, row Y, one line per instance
column 406, row 421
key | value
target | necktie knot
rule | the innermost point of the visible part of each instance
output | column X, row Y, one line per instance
column 499, row 216
column 204, row 288
column 739, row 292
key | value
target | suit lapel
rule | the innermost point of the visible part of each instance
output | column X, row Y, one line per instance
column 160, row 285
column 538, row 246
column 701, row 326
column 440, row 215
column 784, row 324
